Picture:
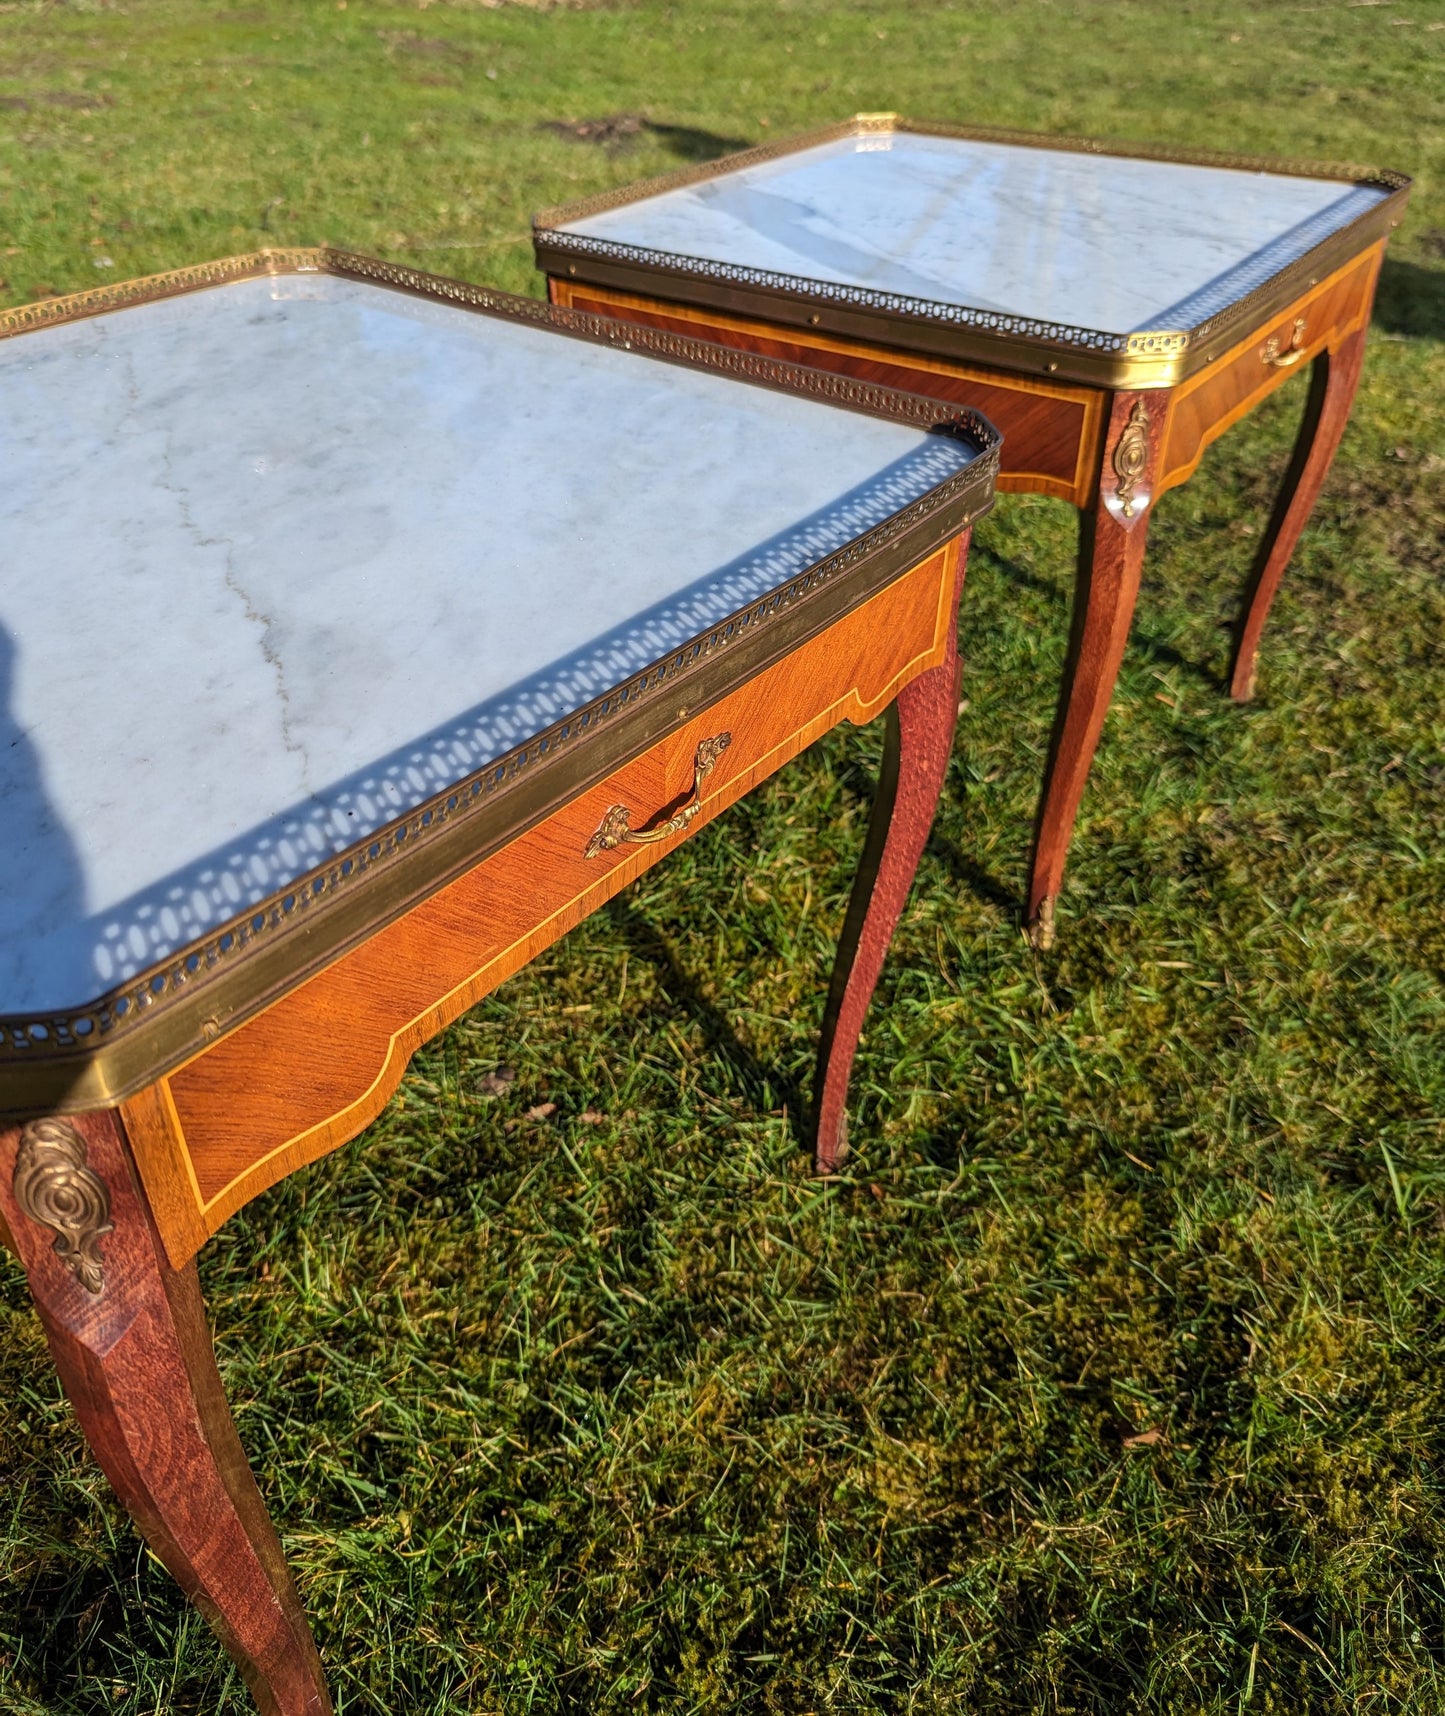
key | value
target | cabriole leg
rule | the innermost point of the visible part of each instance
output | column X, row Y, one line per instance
column 919, row 739
column 1111, row 557
column 1334, row 376
column 128, row 1335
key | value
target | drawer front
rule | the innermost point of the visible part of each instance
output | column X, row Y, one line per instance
column 315, row 1068
column 1204, row 406
column 1050, row 429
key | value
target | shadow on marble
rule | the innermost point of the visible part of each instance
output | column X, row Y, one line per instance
column 955, row 224
column 86, row 953
column 41, row 879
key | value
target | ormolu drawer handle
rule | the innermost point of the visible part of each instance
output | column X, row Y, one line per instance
column 1292, row 353
column 613, row 829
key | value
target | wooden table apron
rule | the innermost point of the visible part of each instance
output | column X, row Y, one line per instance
column 108, row 1208
column 1110, row 453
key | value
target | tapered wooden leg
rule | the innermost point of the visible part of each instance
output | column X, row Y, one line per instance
column 919, row 738
column 1111, row 556
column 128, row 1335
column 1334, row 376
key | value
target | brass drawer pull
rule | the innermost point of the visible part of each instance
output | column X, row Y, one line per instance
column 1292, row 353
column 613, row 830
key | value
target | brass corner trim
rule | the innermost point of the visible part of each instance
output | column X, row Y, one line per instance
column 55, row 1186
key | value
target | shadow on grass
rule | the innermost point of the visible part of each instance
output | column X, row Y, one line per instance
column 616, row 131
column 1411, row 300
column 974, row 877
column 70, row 1625
column 689, row 144
column 763, row 1087
column 1155, row 649
column 985, row 886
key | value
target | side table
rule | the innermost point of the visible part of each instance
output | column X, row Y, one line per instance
column 351, row 667
column 1112, row 308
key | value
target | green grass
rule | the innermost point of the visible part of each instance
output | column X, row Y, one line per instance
column 1110, row 1376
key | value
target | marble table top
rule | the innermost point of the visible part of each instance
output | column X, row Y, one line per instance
column 1093, row 241
column 286, row 557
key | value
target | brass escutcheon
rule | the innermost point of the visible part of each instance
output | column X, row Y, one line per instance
column 57, row 1187
column 1131, row 457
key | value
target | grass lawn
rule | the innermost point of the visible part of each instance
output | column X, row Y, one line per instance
column 1110, row 1376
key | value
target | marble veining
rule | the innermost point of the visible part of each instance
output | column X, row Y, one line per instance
column 286, row 557
column 1101, row 242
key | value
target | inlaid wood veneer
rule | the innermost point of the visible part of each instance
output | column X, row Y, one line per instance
column 262, row 1101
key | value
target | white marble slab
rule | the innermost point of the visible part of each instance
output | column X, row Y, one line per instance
column 284, row 558
column 1088, row 241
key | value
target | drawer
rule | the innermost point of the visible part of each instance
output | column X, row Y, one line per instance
column 1205, row 405
column 317, row 1066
